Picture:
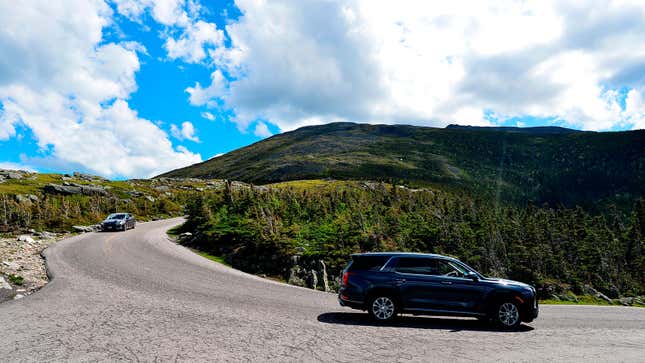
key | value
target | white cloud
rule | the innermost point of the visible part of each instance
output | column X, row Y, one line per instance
column 191, row 43
column 186, row 37
column 199, row 96
column 262, row 130
column 185, row 132
column 295, row 63
column 207, row 115
column 61, row 80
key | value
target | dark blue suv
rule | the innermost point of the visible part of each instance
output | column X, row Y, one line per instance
column 386, row 284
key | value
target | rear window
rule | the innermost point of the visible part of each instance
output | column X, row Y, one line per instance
column 367, row 263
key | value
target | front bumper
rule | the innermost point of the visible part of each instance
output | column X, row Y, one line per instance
column 530, row 312
column 111, row 227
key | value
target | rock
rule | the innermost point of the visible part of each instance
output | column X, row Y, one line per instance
column 135, row 193
column 6, row 291
column 25, row 239
column 22, row 199
column 11, row 174
column 33, row 198
column 314, row 280
column 74, row 189
column 93, row 190
column 85, row 229
column 88, row 177
column 150, row 198
column 162, row 188
column 61, row 189
column 626, row 301
column 325, row 280
column 294, row 276
column 44, row 235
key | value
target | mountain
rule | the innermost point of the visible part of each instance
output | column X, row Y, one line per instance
column 541, row 164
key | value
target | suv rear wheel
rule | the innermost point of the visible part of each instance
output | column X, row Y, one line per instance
column 382, row 308
column 507, row 315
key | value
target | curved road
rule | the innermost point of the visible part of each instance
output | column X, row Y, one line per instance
column 137, row 296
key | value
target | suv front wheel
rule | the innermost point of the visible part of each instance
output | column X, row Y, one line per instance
column 382, row 308
column 507, row 315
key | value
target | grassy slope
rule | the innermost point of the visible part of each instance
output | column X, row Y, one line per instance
column 517, row 165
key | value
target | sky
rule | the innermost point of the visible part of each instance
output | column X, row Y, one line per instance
column 134, row 88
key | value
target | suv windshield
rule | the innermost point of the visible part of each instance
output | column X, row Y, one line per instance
column 116, row 216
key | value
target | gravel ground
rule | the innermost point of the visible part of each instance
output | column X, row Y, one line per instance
column 137, row 296
column 20, row 256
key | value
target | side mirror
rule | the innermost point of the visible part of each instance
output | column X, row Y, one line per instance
column 471, row 275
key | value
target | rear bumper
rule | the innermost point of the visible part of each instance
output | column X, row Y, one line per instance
column 345, row 301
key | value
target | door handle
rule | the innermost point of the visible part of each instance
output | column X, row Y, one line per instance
column 446, row 282
column 400, row 281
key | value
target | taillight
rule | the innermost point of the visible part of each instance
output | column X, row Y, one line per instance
column 345, row 277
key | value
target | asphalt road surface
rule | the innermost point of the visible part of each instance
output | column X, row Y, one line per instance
column 136, row 296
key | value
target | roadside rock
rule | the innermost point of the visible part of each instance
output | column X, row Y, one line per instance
column 88, row 177
column 85, row 229
column 591, row 291
column 6, row 291
column 295, row 277
column 74, row 189
column 325, row 279
column 26, row 239
column 11, row 174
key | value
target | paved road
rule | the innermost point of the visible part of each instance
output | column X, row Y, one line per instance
column 136, row 296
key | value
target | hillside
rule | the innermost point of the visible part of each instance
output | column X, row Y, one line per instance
column 542, row 165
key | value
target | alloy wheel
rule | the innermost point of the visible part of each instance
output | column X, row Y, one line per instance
column 383, row 308
column 508, row 314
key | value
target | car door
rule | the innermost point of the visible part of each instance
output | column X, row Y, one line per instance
column 453, row 291
column 416, row 284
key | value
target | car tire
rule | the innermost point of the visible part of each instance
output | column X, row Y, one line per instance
column 507, row 315
column 382, row 308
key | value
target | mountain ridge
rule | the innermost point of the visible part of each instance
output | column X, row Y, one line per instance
column 540, row 165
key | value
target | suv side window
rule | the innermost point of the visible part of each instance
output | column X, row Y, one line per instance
column 415, row 265
column 428, row 266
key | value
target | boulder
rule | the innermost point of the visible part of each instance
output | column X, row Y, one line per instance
column 85, row 229
column 325, row 280
column 88, row 177
column 314, row 279
column 11, row 174
column 7, row 292
column 61, row 189
column 150, row 198
column 73, row 189
column 45, row 235
column 22, row 199
column 25, row 239
column 295, row 276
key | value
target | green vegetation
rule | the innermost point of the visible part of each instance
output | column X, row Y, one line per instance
column 217, row 259
column 539, row 165
column 24, row 204
column 558, row 250
column 16, row 279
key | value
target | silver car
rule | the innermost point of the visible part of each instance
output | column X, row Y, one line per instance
column 118, row 222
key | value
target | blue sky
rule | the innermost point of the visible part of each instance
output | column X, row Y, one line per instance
column 133, row 88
